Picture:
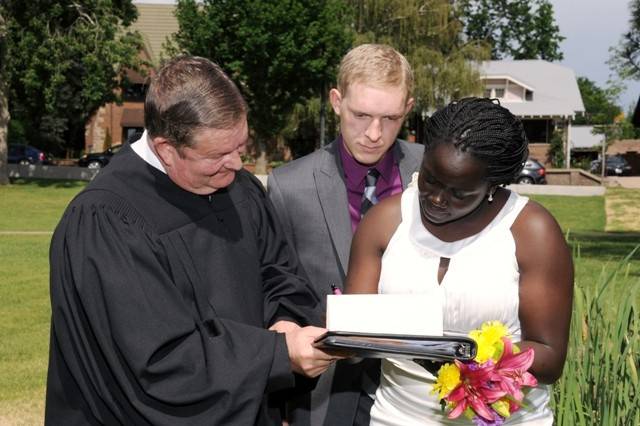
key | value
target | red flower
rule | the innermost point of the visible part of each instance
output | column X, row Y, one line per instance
column 477, row 390
column 511, row 370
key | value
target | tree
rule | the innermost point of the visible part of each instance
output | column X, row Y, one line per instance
column 279, row 53
column 428, row 34
column 4, row 103
column 64, row 59
column 599, row 104
column 518, row 29
column 625, row 58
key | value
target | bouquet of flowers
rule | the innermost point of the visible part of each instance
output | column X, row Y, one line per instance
column 489, row 388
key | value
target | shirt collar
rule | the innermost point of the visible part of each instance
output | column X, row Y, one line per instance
column 143, row 149
column 355, row 172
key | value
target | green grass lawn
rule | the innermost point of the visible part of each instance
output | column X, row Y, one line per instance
column 38, row 205
column 25, row 314
column 34, row 206
column 597, row 252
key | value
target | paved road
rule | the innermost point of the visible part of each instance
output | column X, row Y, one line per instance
column 632, row 182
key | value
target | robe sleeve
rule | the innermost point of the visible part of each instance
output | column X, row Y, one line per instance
column 132, row 341
column 288, row 292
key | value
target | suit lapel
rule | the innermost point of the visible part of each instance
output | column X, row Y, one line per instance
column 332, row 193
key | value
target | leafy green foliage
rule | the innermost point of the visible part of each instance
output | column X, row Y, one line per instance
column 599, row 104
column 279, row 53
column 428, row 34
column 518, row 29
column 556, row 149
column 302, row 133
column 64, row 59
column 600, row 384
column 625, row 58
column 4, row 103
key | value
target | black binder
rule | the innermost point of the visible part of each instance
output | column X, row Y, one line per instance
column 372, row 345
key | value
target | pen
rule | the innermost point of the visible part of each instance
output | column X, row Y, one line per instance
column 335, row 290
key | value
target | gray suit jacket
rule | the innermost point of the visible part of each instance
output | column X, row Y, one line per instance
column 310, row 197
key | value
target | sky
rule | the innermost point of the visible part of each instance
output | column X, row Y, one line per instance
column 591, row 27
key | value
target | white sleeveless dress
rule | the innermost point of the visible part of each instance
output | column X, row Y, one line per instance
column 481, row 284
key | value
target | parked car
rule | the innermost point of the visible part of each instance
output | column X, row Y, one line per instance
column 26, row 154
column 532, row 173
column 614, row 165
column 97, row 160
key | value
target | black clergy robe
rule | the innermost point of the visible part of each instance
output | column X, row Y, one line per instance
column 160, row 299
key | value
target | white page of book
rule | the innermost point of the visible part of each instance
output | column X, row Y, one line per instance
column 416, row 314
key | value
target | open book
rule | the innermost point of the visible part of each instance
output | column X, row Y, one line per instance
column 392, row 326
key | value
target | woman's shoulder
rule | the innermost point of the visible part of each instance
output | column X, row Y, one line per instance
column 382, row 220
column 535, row 218
column 536, row 232
column 387, row 212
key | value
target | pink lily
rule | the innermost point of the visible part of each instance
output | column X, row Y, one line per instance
column 511, row 370
column 476, row 390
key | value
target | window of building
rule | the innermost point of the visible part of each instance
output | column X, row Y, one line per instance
column 131, row 134
column 494, row 92
column 528, row 95
column 134, row 92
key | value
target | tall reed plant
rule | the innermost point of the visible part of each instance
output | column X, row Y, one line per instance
column 600, row 381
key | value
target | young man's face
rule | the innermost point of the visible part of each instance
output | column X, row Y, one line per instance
column 370, row 119
column 211, row 163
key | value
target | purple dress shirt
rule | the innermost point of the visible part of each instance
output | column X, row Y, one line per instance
column 389, row 182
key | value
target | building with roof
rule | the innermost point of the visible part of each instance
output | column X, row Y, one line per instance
column 114, row 124
column 544, row 95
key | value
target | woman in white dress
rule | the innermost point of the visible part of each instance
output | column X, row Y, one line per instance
column 485, row 252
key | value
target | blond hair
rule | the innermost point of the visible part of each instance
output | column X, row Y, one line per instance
column 375, row 65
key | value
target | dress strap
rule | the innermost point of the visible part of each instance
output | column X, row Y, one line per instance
column 407, row 202
column 516, row 203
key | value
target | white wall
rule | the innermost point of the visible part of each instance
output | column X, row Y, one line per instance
column 582, row 137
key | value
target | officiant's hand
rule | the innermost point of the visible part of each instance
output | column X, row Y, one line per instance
column 305, row 358
column 284, row 326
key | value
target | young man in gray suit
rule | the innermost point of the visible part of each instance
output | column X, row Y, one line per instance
column 321, row 198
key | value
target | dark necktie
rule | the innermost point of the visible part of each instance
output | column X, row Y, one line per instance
column 369, row 195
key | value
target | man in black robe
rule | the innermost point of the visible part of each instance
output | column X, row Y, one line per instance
column 175, row 298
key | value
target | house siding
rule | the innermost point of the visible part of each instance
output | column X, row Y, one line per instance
column 156, row 22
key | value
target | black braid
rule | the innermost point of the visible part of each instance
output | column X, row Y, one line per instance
column 486, row 130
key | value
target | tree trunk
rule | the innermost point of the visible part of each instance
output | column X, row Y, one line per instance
column 4, row 127
column 261, row 158
column 323, row 115
column 4, row 105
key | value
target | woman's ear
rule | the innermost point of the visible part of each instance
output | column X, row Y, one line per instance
column 491, row 192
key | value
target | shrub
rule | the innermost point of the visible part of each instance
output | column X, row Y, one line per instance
column 600, row 381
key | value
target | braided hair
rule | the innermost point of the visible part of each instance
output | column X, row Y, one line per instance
column 484, row 129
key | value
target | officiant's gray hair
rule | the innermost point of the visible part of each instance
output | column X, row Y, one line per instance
column 188, row 94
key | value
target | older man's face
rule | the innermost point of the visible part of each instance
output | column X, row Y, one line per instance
column 211, row 162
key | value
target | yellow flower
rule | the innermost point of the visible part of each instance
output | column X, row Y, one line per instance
column 494, row 330
column 502, row 407
column 489, row 341
column 448, row 379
